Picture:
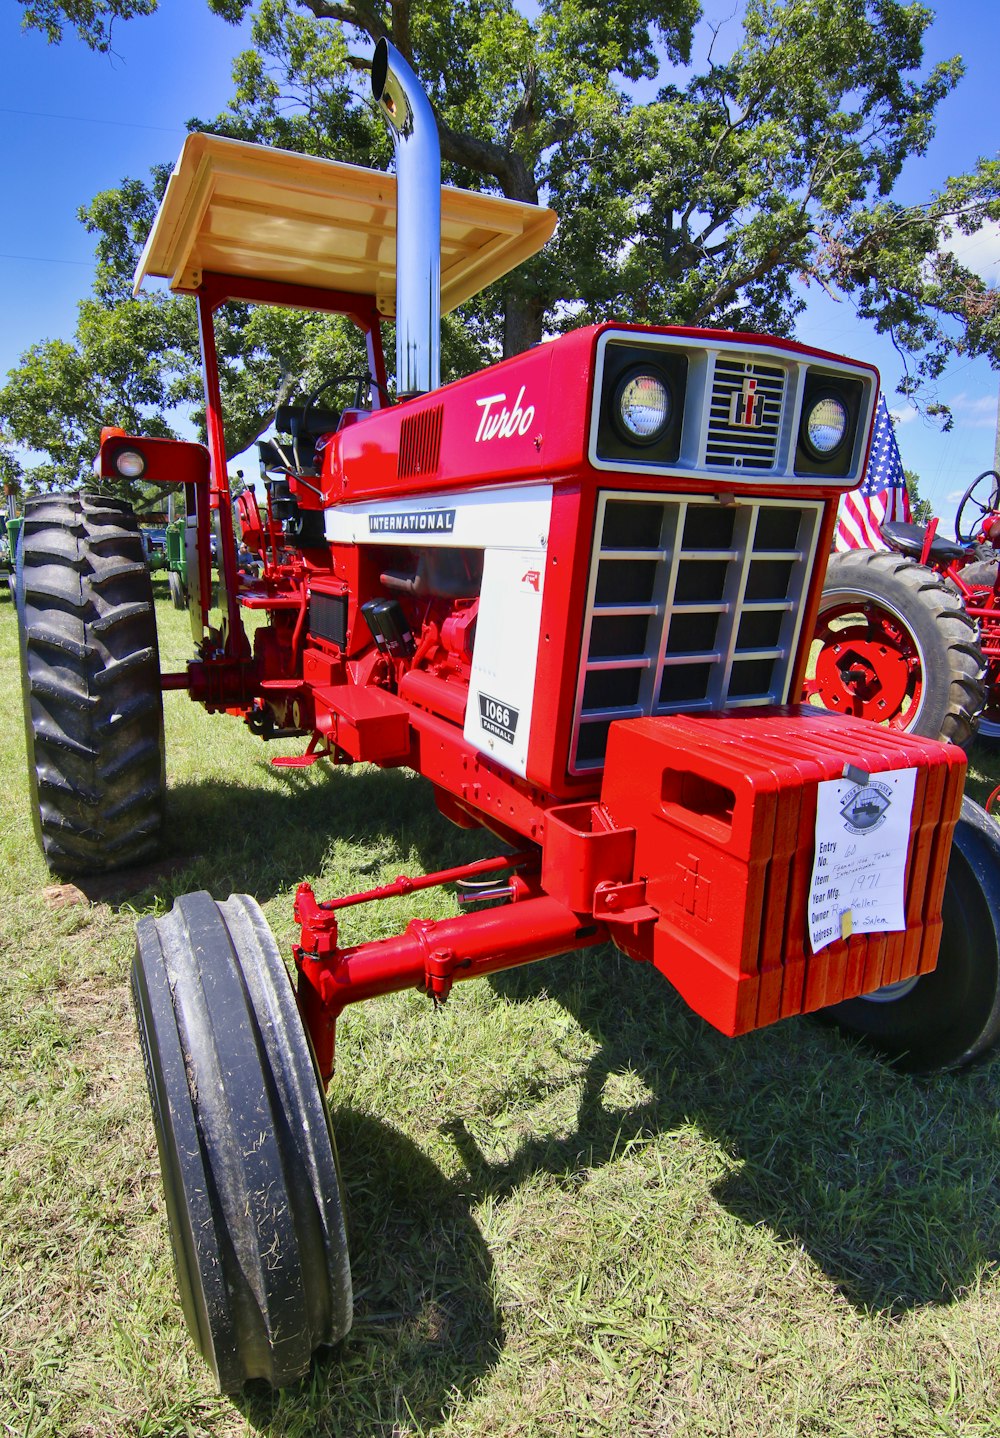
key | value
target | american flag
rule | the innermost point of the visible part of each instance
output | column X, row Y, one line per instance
column 882, row 494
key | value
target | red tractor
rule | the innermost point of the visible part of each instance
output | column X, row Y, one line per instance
column 910, row 637
column 576, row 592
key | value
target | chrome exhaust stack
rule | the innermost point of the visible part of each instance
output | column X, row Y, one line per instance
column 399, row 96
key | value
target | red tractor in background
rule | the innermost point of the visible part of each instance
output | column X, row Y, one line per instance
column 911, row 637
column 576, row 592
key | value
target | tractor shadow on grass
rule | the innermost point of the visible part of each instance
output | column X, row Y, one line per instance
column 425, row 1324
column 889, row 1183
column 229, row 836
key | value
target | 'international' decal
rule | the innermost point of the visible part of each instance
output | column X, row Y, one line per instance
column 420, row 521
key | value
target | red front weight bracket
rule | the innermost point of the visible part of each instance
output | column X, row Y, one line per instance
column 428, row 956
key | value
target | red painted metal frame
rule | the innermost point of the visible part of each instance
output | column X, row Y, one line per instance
column 982, row 603
column 693, row 860
column 555, row 381
column 171, row 461
column 215, row 291
column 862, row 697
column 427, row 956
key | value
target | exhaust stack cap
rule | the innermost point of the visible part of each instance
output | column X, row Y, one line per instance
column 398, row 94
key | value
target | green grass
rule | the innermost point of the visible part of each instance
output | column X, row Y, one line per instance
column 575, row 1209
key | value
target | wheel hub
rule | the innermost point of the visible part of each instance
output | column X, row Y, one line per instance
column 868, row 671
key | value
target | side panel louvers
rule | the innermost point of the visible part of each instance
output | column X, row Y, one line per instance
column 692, row 606
column 420, row 443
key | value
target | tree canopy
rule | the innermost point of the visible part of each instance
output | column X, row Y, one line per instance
column 714, row 196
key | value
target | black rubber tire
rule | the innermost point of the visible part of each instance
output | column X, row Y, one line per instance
column 951, row 1016
column 246, row 1148
column 980, row 571
column 90, row 682
column 951, row 661
column 178, row 592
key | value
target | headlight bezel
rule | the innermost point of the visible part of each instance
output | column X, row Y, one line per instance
column 631, row 376
column 816, row 451
column 128, row 452
column 848, row 392
column 623, row 359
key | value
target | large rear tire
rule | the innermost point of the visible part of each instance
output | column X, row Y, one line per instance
column 246, row 1149
column 90, row 680
column 894, row 644
column 951, row 1016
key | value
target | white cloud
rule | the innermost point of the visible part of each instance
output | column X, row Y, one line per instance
column 974, row 411
column 903, row 415
column 980, row 252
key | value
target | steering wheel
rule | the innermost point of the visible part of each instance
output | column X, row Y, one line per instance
column 984, row 503
column 362, row 383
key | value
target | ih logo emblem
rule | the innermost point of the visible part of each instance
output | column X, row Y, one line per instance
column 746, row 406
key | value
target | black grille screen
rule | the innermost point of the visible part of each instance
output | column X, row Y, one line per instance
column 328, row 617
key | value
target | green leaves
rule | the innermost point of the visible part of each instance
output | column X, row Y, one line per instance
column 91, row 19
column 718, row 201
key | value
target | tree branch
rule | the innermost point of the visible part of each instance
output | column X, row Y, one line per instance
column 358, row 16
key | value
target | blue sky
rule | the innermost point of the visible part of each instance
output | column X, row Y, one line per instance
column 73, row 123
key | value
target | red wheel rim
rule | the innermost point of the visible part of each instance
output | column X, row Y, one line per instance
column 867, row 665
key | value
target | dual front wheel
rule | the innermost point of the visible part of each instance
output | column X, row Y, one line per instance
column 245, row 1144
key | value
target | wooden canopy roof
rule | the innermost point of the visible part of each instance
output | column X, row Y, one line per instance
column 254, row 212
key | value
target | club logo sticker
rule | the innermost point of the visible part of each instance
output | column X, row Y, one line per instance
column 497, row 718
column 866, row 806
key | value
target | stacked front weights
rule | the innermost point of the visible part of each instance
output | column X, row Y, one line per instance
column 91, row 683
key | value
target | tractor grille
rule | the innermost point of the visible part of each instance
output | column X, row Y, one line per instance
column 692, row 605
column 743, row 388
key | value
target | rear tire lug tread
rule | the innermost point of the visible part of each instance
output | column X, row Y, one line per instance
column 90, row 679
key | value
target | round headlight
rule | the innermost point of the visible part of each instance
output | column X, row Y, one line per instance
column 130, row 464
column 826, row 426
column 642, row 406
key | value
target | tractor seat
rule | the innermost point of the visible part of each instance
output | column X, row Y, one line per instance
column 289, row 419
column 908, row 539
column 274, row 458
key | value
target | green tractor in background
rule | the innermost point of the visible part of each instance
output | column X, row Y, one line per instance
column 10, row 528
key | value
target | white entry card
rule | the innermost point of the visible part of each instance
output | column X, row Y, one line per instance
column 859, row 868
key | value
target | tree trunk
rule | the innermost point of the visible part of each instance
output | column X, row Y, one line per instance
column 522, row 323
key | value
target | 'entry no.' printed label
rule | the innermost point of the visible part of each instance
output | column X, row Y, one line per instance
column 859, row 869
